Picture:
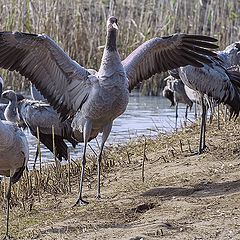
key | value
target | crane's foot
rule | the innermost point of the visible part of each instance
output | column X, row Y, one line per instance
column 6, row 237
column 98, row 196
column 80, row 202
column 199, row 151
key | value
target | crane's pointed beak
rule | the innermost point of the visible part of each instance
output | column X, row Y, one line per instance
column 115, row 26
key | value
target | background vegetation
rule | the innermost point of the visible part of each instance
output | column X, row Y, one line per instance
column 79, row 25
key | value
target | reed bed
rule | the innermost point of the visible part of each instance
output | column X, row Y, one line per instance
column 79, row 25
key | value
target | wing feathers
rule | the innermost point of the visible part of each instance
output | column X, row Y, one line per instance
column 45, row 64
column 162, row 54
column 195, row 56
column 201, row 37
column 198, row 49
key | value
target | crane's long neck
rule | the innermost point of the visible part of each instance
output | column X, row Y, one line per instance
column 111, row 61
column 111, row 41
column 11, row 112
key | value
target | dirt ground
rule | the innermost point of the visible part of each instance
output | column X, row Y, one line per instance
column 183, row 196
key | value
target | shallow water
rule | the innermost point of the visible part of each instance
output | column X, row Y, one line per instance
column 147, row 116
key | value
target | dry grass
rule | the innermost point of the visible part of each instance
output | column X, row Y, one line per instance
column 79, row 25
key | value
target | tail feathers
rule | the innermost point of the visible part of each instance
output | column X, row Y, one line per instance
column 67, row 133
column 234, row 77
column 17, row 175
column 60, row 146
column 234, row 102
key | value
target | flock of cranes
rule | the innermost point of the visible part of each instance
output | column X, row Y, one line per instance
column 212, row 83
column 81, row 103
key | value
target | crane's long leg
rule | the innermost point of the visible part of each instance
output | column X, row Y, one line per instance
column 201, row 128
column 86, row 135
column 35, row 160
column 218, row 116
column 202, row 140
column 8, row 196
column 186, row 112
column 204, row 126
column 195, row 110
column 176, row 117
column 106, row 132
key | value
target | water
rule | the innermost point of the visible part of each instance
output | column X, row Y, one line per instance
column 147, row 116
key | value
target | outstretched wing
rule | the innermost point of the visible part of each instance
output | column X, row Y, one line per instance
column 61, row 80
column 161, row 54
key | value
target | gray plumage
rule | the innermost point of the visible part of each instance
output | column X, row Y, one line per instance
column 95, row 100
column 175, row 92
column 193, row 95
column 179, row 93
column 216, row 82
column 14, row 154
column 230, row 56
column 36, row 95
column 2, row 110
column 3, row 106
column 11, row 111
column 40, row 115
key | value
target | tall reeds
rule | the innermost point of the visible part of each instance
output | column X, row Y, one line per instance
column 79, row 25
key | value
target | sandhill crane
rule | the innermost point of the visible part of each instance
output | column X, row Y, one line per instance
column 14, row 154
column 39, row 116
column 95, row 100
column 215, row 81
column 178, row 95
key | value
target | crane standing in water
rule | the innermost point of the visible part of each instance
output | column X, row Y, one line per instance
column 175, row 92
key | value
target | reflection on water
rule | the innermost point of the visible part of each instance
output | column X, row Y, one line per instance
column 144, row 116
